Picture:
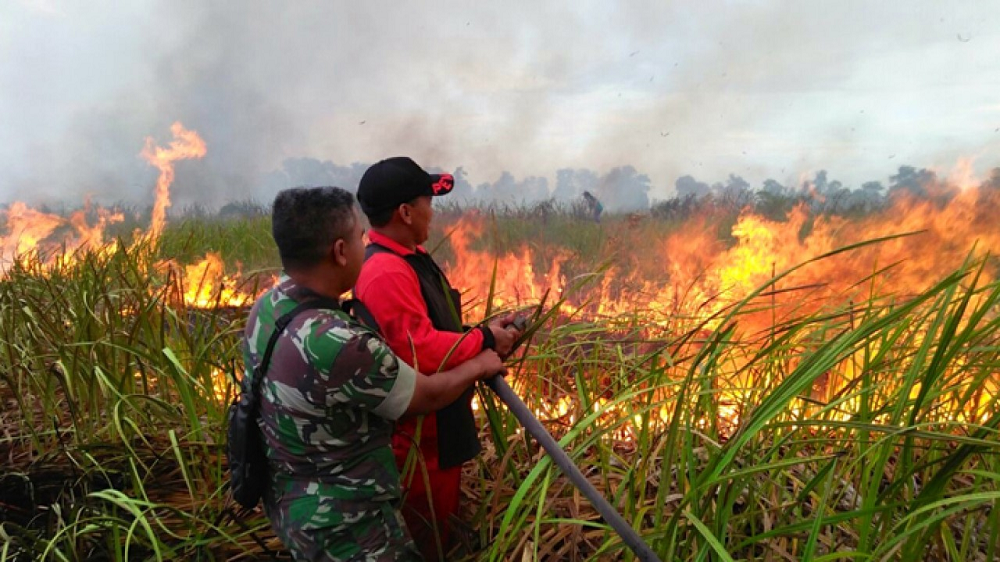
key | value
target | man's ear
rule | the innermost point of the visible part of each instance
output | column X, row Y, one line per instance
column 337, row 251
column 405, row 213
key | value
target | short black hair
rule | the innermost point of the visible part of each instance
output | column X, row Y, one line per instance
column 306, row 221
column 381, row 218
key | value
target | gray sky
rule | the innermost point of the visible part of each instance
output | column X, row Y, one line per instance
column 763, row 89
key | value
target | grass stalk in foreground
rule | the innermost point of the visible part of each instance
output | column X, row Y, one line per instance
column 861, row 431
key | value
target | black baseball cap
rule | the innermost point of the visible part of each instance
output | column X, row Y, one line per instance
column 391, row 182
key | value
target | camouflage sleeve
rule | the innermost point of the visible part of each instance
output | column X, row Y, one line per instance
column 380, row 382
column 395, row 404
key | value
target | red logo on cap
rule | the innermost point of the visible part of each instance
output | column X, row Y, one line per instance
column 443, row 185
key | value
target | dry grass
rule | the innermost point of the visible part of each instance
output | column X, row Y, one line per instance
column 852, row 432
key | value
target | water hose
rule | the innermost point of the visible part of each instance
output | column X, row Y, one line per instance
column 531, row 424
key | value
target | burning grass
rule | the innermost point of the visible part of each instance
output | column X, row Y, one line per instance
column 764, row 411
column 751, row 450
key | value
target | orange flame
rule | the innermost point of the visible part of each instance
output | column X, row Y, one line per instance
column 31, row 233
column 691, row 273
column 34, row 233
column 186, row 144
column 516, row 279
column 677, row 282
column 206, row 285
column 27, row 228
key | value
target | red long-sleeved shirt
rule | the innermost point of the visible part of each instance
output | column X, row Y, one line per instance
column 389, row 288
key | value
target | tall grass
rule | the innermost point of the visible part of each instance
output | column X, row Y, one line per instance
column 113, row 426
column 857, row 431
column 900, row 462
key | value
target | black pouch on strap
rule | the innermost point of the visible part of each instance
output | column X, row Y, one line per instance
column 244, row 440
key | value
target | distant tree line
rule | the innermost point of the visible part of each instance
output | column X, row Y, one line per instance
column 621, row 190
column 625, row 189
column 820, row 194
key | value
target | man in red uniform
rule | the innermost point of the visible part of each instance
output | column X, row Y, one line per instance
column 420, row 317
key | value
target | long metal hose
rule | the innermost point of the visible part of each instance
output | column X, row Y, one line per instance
column 562, row 460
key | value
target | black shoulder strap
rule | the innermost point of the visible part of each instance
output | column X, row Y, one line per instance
column 372, row 248
column 357, row 310
column 279, row 326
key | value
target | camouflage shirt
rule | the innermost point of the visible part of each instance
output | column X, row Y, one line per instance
column 328, row 403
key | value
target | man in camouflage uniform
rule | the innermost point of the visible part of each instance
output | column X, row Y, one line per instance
column 332, row 392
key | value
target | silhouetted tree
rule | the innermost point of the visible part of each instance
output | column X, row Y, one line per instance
column 688, row 186
column 310, row 172
column 624, row 189
column 775, row 205
column 911, row 180
column 510, row 191
column 735, row 193
column 571, row 183
column 773, row 187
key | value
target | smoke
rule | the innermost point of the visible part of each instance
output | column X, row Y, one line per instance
column 295, row 172
column 624, row 188
column 994, row 180
column 687, row 186
column 517, row 96
column 506, row 189
column 572, row 183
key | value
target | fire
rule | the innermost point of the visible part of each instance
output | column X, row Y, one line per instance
column 186, row 144
column 690, row 273
column 670, row 284
column 27, row 228
column 53, row 239
column 222, row 388
column 206, row 284
column 679, row 282
column 32, row 234
column 36, row 235
column 516, row 278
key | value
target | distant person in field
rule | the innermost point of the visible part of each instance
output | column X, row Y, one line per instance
column 420, row 315
column 333, row 390
column 594, row 207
